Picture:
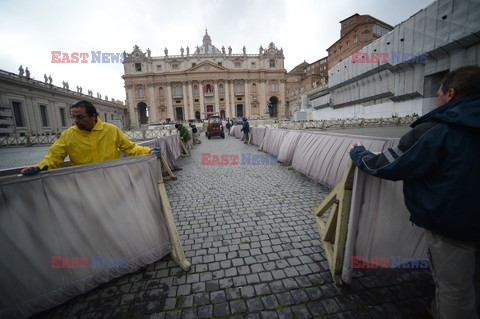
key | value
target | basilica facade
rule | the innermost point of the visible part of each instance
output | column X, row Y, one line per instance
column 205, row 81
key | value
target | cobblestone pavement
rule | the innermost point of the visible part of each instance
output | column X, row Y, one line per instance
column 251, row 237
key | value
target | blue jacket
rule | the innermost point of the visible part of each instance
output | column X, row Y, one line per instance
column 439, row 163
column 245, row 127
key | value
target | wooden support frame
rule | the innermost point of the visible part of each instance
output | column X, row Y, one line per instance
column 170, row 175
column 334, row 233
column 177, row 249
column 185, row 149
column 263, row 141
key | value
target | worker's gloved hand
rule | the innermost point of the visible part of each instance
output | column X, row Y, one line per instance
column 156, row 151
column 32, row 170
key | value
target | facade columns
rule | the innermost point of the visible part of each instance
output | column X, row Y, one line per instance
column 186, row 111
column 216, row 98
column 281, row 114
column 169, row 102
column 226, row 88
column 202, row 104
column 234, row 113
column 132, row 106
column 152, row 108
column 247, row 99
column 263, row 99
column 190, row 95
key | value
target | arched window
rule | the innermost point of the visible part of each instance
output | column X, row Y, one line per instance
column 238, row 87
column 273, row 87
column 254, row 88
column 178, row 90
column 195, row 89
column 160, row 91
column 208, row 88
column 141, row 92
column 221, row 89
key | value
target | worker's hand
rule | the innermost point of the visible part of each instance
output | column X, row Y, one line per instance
column 353, row 146
column 32, row 170
column 156, row 151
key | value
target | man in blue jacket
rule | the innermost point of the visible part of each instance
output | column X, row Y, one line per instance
column 245, row 129
column 439, row 163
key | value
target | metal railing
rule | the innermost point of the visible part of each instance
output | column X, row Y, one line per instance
column 136, row 135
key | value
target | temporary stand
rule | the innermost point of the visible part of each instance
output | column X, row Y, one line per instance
column 177, row 250
column 334, row 233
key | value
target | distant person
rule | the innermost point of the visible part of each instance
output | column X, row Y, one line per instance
column 195, row 134
column 245, row 129
column 184, row 135
column 89, row 141
column 228, row 126
column 439, row 163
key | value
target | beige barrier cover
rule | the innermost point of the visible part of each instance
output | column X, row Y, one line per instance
column 257, row 133
column 288, row 147
column 322, row 156
column 273, row 140
column 110, row 210
column 379, row 223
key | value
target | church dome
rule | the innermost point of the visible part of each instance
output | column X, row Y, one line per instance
column 207, row 46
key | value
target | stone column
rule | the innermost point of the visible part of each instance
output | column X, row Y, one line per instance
column 202, row 105
column 186, row 113
column 190, row 93
column 246, row 109
column 281, row 112
column 152, row 108
column 263, row 99
column 169, row 102
column 232, row 93
column 132, row 106
column 215, row 96
column 226, row 88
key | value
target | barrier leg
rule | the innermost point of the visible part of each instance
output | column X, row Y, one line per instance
column 170, row 176
column 334, row 233
column 177, row 250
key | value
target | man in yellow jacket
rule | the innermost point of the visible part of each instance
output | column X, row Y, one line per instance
column 89, row 141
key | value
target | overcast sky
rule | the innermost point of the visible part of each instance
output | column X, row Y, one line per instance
column 30, row 30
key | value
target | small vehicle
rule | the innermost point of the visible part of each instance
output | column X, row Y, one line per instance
column 215, row 127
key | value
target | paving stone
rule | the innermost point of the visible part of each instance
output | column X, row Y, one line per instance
column 189, row 313
column 269, row 314
column 330, row 305
column 238, row 306
column 218, row 296
column 233, row 293
column 247, row 292
column 205, row 311
column 262, row 289
column 301, row 311
column 254, row 305
column 202, row 299
column 285, row 299
column 270, row 302
column 221, row 309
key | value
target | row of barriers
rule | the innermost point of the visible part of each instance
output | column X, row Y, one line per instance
column 363, row 216
column 89, row 224
column 147, row 134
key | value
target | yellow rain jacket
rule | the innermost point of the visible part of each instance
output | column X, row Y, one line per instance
column 101, row 144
